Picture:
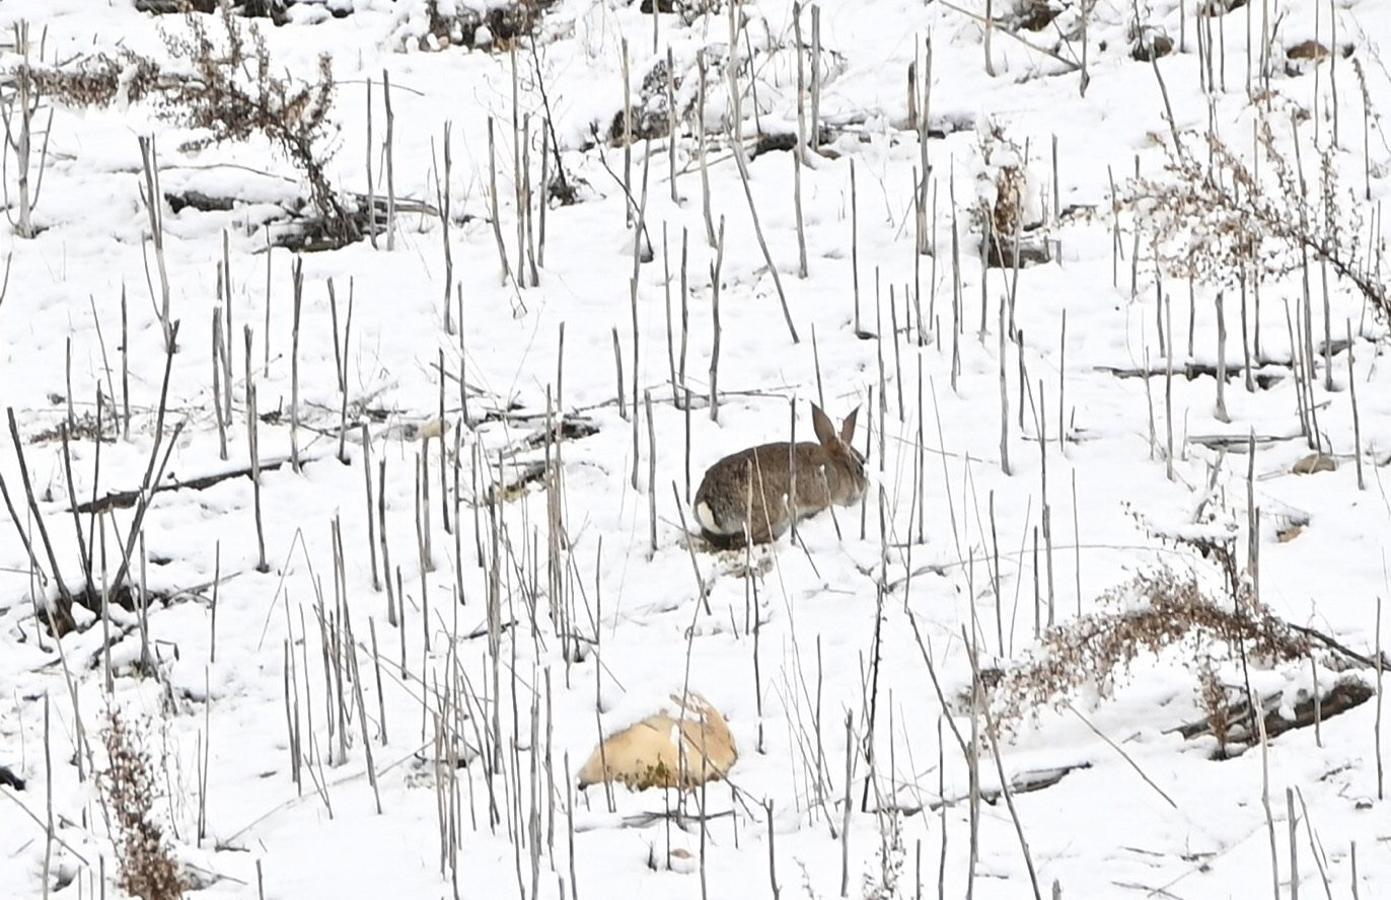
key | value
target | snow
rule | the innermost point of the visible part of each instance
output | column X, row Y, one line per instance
column 638, row 627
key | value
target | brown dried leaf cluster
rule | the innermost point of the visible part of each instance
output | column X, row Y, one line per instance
column 147, row 866
column 1160, row 610
column 1217, row 216
column 225, row 88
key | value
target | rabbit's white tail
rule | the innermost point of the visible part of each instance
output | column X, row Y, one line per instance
column 706, row 517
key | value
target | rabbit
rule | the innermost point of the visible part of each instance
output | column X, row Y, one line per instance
column 749, row 490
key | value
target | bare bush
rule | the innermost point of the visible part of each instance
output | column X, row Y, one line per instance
column 1157, row 610
column 227, row 88
column 1216, row 219
column 1211, row 695
column 147, row 866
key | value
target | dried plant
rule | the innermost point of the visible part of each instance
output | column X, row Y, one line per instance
column 1212, row 700
column 885, row 883
column 1002, row 185
column 1148, row 614
column 1216, row 219
column 226, row 88
column 231, row 93
column 147, row 866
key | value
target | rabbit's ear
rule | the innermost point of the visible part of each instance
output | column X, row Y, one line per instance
column 825, row 431
column 847, row 428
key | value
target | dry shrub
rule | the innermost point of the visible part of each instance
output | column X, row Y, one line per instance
column 147, row 866
column 1004, row 185
column 1217, row 219
column 1212, row 700
column 1150, row 613
column 226, row 88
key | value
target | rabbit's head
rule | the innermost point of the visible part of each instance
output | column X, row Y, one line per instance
column 843, row 456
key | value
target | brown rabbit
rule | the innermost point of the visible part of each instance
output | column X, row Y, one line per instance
column 751, row 489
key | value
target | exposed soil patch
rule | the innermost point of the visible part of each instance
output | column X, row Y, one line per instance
column 275, row 10
column 498, row 29
column 1151, row 45
column 1034, row 15
column 10, row 779
column 571, row 428
column 60, row 619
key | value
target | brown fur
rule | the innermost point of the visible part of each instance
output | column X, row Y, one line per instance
column 749, row 491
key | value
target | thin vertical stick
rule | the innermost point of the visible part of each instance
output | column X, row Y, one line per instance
column 390, row 163
column 297, row 279
column 742, row 165
column 715, row 324
column 671, row 122
column 1293, row 822
column 253, row 447
column 855, row 248
column 1004, row 394
column 492, row 196
column 1220, row 411
column 1265, row 799
column 801, row 146
column 48, row 794
column 618, row 369
column 1356, row 418
column 442, row 192
column 627, row 131
column 849, row 777
column 700, row 151
column 815, row 78
column 371, row 186
column 651, row 475
column 1381, row 786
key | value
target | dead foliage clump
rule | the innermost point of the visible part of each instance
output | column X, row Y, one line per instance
column 651, row 109
column 498, row 29
column 1217, row 218
column 148, row 869
column 1211, row 695
column 1004, row 183
column 275, row 10
column 1034, row 15
column 1150, row 613
column 228, row 88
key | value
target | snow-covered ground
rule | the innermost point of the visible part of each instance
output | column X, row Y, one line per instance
column 595, row 628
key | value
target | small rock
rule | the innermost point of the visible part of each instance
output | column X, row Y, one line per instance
column 10, row 779
column 1315, row 463
column 1308, row 50
column 647, row 754
column 1151, row 45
